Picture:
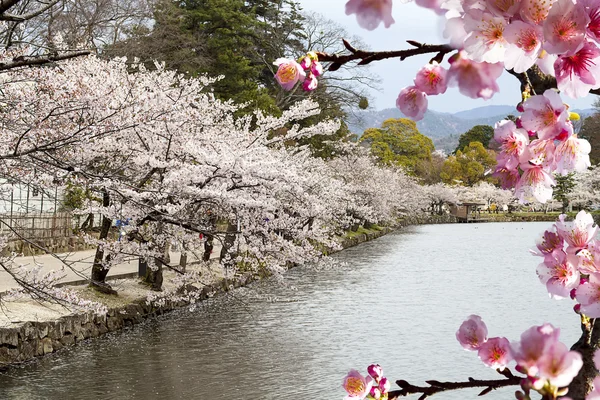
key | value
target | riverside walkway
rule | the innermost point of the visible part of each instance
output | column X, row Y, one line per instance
column 81, row 266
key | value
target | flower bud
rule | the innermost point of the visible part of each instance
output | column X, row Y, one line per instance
column 577, row 308
column 375, row 371
column 573, row 293
column 375, row 392
column 519, row 123
column 384, row 385
column 520, row 107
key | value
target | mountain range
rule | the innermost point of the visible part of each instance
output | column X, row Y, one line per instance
column 443, row 128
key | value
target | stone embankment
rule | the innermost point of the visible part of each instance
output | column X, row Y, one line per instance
column 27, row 340
column 29, row 330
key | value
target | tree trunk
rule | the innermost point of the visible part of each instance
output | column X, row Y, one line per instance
column 183, row 261
column 565, row 206
column 227, row 255
column 154, row 276
column 208, row 248
column 587, row 344
column 98, row 278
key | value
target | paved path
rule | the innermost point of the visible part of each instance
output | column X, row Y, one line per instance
column 82, row 266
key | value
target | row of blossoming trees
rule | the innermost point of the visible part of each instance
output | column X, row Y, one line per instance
column 159, row 151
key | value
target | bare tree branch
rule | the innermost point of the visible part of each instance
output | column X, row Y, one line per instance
column 30, row 61
column 438, row 387
column 366, row 57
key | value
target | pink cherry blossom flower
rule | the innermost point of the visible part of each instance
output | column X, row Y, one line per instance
column 535, row 184
column 412, row 102
column 513, row 143
column 539, row 152
column 310, row 83
column 576, row 72
column 588, row 295
column 356, row 385
column 472, row 333
column 559, row 273
column 495, row 353
column 577, row 233
column 485, row 42
column 548, row 243
column 545, row 114
column 431, row 79
column 524, row 45
column 565, row 26
column 369, row 13
column 535, row 11
column 593, row 12
column 375, row 371
column 508, row 177
column 474, row 79
column 589, row 258
column 572, row 155
column 558, row 365
column 546, row 62
column 455, row 31
column 288, row 73
column 532, row 346
column 503, row 8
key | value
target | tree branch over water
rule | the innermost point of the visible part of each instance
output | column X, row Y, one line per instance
column 438, row 387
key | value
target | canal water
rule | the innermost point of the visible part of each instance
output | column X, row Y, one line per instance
column 398, row 301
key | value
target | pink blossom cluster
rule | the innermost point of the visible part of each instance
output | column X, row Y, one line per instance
column 571, row 262
column 547, row 362
column 560, row 37
column 373, row 386
column 474, row 79
column 305, row 70
column 540, row 143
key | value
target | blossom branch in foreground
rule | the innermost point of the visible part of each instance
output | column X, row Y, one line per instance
column 438, row 387
column 366, row 57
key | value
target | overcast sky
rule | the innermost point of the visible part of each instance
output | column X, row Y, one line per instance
column 419, row 24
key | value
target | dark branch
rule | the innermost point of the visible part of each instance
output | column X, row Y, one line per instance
column 30, row 61
column 366, row 57
column 438, row 387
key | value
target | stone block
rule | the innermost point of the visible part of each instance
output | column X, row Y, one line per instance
column 9, row 337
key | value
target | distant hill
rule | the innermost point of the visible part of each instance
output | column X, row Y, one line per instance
column 443, row 128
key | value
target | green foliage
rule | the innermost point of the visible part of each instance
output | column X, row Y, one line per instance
column 398, row 142
column 564, row 187
column 75, row 196
column 479, row 133
column 363, row 104
column 429, row 170
column 469, row 166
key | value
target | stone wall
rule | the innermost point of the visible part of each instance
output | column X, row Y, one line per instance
column 33, row 339
column 29, row 340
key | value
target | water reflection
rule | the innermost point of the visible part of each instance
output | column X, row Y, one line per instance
column 399, row 302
